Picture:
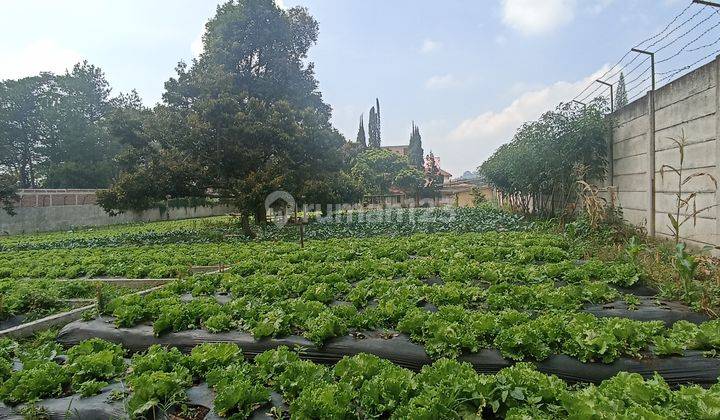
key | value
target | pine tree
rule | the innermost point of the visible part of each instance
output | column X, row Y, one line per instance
column 361, row 134
column 621, row 97
column 373, row 130
column 415, row 150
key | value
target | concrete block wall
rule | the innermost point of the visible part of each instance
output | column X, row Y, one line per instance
column 641, row 145
column 46, row 219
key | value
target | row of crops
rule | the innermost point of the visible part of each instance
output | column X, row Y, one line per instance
column 390, row 222
column 278, row 383
column 523, row 321
column 481, row 315
column 27, row 300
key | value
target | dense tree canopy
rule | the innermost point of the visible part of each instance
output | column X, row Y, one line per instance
column 537, row 167
column 244, row 120
column 378, row 170
column 53, row 129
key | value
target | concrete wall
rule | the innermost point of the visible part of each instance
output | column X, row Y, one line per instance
column 55, row 197
column 45, row 219
column 641, row 145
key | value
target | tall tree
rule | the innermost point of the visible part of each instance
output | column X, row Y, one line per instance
column 373, row 129
column 415, row 152
column 433, row 177
column 244, row 120
column 621, row 97
column 361, row 140
column 80, row 150
column 377, row 121
column 24, row 128
column 52, row 129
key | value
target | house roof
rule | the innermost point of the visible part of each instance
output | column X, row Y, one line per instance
column 445, row 173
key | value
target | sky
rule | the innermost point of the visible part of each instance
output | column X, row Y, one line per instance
column 469, row 73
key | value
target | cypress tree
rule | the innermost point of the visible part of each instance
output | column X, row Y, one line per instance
column 373, row 130
column 415, row 150
column 361, row 134
column 377, row 121
column 621, row 97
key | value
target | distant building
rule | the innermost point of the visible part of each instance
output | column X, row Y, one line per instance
column 446, row 176
column 398, row 150
column 461, row 193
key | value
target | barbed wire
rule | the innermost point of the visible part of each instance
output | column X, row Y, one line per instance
column 684, row 47
column 666, row 28
column 686, row 33
column 622, row 59
column 672, row 34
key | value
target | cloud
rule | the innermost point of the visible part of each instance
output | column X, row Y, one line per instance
column 537, row 17
column 38, row 56
column 429, row 46
column 599, row 6
column 467, row 144
column 533, row 17
column 442, row 82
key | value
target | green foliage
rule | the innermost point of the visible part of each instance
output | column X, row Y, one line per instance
column 232, row 128
column 157, row 359
column 366, row 386
column 94, row 359
column 415, row 149
column 685, row 265
column 41, row 380
column 209, row 356
column 158, row 389
column 53, row 130
column 621, row 96
column 221, row 322
column 537, row 168
column 237, row 395
column 379, row 169
column 685, row 208
column 90, row 388
column 361, row 139
column 8, row 193
column 374, row 140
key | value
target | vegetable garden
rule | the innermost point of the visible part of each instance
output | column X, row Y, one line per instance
column 482, row 315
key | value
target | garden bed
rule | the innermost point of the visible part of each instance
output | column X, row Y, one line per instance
column 94, row 381
column 691, row 367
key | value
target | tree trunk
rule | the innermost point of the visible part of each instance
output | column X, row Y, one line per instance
column 245, row 223
column 260, row 215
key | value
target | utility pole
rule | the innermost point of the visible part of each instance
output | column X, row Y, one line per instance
column 612, row 97
column 652, row 63
column 651, row 146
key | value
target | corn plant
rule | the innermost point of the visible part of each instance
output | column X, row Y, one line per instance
column 685, row 203
column 593, row 203
column 686, row 266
